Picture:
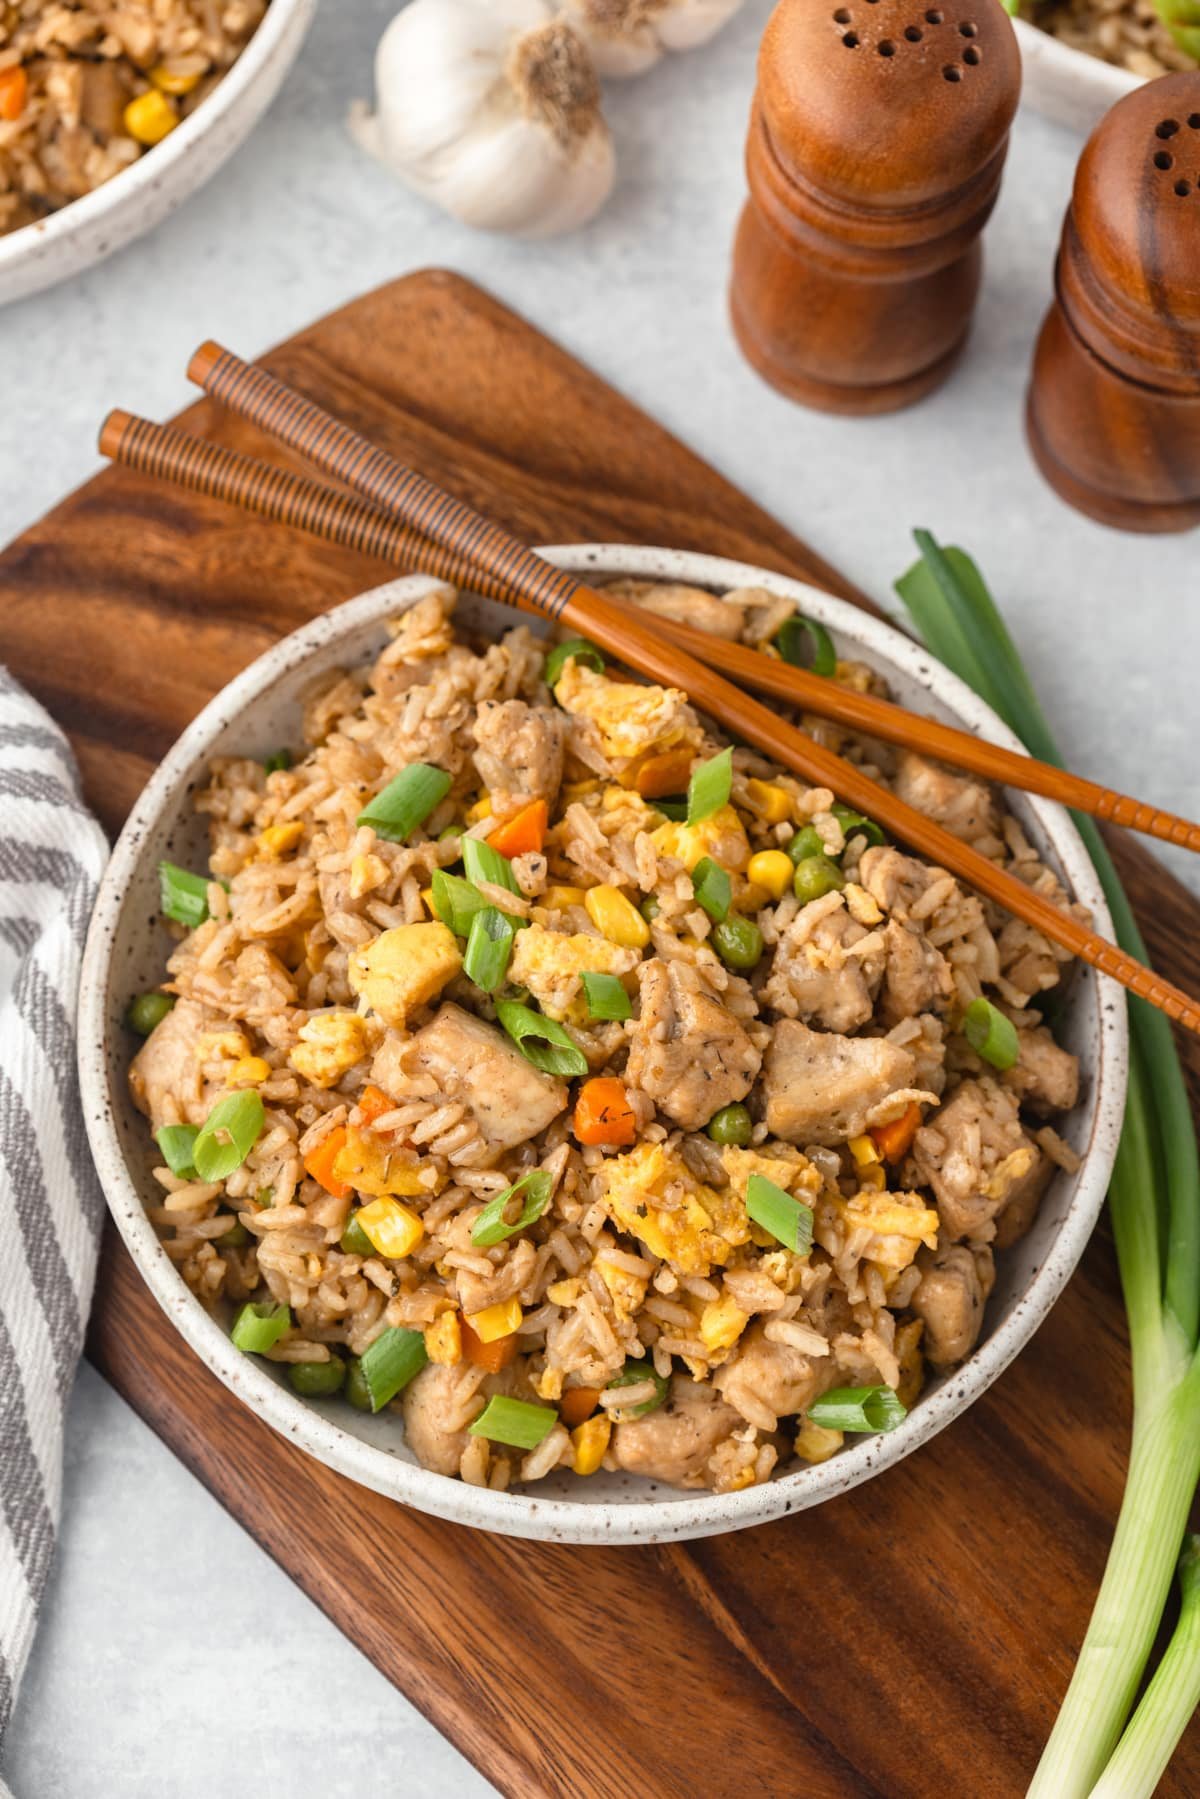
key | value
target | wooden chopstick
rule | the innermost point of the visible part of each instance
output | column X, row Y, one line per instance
column 337, row 517
column 274, row 407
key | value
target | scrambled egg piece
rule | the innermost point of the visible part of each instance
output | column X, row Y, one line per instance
column 1010, row 1172
column 721, row 836
column 330, row 1044
column 366, row 1163
column 550, row 964
column 404, row 968
column 628, row 1290
column 776, row 1162
column 628, row 719
column 722, row 1322
column 899, row 1223
column 699, row 1227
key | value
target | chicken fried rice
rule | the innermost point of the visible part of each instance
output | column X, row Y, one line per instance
column 536, row 1063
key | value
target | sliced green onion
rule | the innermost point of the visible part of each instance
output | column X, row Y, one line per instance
column 489, row 947
column 178, row 1145
column 632, row 1375
column 676, row 809
column 990, row 1034
column 183, row 896
column 228, row 1135
column 575, row 648
column 354, row 1241
column 356, row 1392
column 259, row 1328
column 606, row 997
column 710, row 787
column 788, row 1220
column 483, row 863
column 406, row 802
column 491, row 1227
column 541, row 1041
column 390, row 1364
column 870, row 1409
column 799, row 639
column 855, row 825
column 514, row 1421
column 280, row 760
column 318, row 1380
column 458, row 902
column 147, row 1011
column 713, row 888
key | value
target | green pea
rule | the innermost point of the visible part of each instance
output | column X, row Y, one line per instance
column 147, row 1011
column 357, row 1391
column 732, row 1124
column 317, row 1380
column 738, row 941
column 815, row 876
column 355, row 1241
column 650, row 908
column 807, row 842
column 236, row 1237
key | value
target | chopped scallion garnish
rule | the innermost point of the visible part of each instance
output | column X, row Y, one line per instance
column 674, row 809
column 633, row 1374
column 178, row 1145
column 406, row 802
column 489, row 947
column 713, row 888
column 483, row 863
column 806, row 644
column 390, row 1363
column 514, row 1421
column 458, row 902
column 541, row 1041
column 606, row 997
column 491, row 1226
column 182, row 895
column 869, row 1409
column 259, row 1328
column 354, row 1241
column 228, row 1135
column 990, row 1034
column 576, row 649
column 710, row 787
column 855, row 825
column 788, row 1220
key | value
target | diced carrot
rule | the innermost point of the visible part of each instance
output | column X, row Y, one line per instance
column 373, row 1103
column 493, row 1356
column 524, row 832
column 577, row 1405
column 603, row 1113
column 319, row 1163
column 894, row 1140
column 660, row 775
column 14, row 92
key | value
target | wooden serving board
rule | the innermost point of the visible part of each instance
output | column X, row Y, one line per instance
column 909, row 1639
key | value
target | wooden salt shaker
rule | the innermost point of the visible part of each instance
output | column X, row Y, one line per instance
column 877, row 141
column 1114, row 404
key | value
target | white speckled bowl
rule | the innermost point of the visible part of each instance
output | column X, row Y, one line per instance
column 88, row 230
column 127, row 947
column 1067, row 85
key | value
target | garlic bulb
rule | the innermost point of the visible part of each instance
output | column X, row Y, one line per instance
column 491, row 108
column 626, row 37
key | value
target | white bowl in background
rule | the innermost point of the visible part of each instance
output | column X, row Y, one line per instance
column 1067, row 85
column 143, row 195
column 127, row 947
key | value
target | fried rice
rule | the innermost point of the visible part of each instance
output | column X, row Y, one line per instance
column 642, row 1304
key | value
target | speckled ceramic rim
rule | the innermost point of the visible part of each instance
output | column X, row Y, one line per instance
column 526, row 1515
column 1068, row 85
column 141, row 196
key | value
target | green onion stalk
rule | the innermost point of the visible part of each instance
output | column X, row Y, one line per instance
column 1182, row 20
column 1154, row 1201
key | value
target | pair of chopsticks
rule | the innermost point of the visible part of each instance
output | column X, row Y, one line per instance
column 403, row 518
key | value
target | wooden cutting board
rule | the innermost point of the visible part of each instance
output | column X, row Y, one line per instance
column 909, row 1639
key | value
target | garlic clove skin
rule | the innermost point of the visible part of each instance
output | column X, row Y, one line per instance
column 491, row 109
column 627, row 37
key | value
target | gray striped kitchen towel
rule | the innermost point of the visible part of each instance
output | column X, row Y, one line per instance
column 51, row 856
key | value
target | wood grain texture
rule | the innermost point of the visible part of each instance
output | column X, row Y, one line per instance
column 910, row 1639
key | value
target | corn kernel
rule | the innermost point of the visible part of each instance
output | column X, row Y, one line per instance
column 615, row 918
column 773, row 870
column 150, row 117
column 557, row 898
column 366, row 873
column 170, row 81
column 874, row 1177
column 772, row 803
column 443, row 1340
column 427, row 901
column 863, row 1150
column 480, row 810
column 248, row 1071
column 495, row 1321
column 721, row 1323
column 816, row 1444
column 394, row 1230
column 277, row 840
column 590, row 1440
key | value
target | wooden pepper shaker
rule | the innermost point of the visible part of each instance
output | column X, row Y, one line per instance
column 1114, row 404
column 877, row 141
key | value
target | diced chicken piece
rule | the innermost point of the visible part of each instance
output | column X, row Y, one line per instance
column 950, row 1298
column 688, row 1053
column 439, row 1403
column 821, row 1088
column 917, row 977
column 688, row 605
column 721, row 836
column 616, row 721
column 829, row 970
column 474, row 1061
column 974, row 1155
column 767, row 1381
column 404, row 968
column 653, row 1194
column 550, row 964
column 675, row 1443
column 965, row 807
column 1045, row 1077
column 1021, row 1206
column 166, row 1076
column 519, row 750
column 330, row 1044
